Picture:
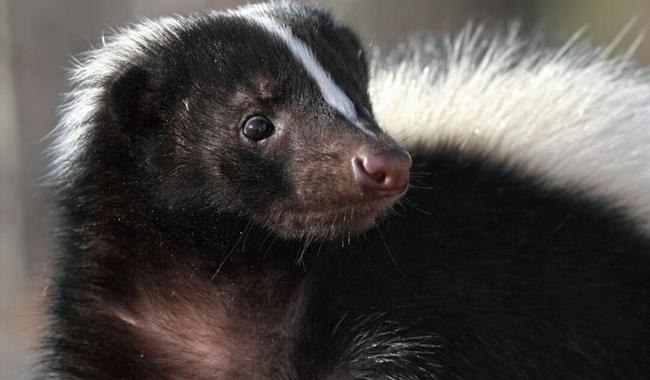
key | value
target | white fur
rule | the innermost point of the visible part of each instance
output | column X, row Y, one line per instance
column 92, row 71
column 570, row 116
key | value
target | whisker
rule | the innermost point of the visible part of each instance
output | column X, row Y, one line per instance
column 301, row 254
column 246, row 233
column 392, row 258
column 421, row 187
column 415, row 206
column 227, row 256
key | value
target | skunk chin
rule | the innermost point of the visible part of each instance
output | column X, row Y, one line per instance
column 330, row 223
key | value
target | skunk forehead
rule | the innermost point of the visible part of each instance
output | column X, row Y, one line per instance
column 331, row 92
column 571, row 117
column 95, row 69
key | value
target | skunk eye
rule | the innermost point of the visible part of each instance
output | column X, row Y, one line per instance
column 258, row 128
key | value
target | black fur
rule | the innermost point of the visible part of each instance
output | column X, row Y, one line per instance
column 188, row 252
column 492, row 276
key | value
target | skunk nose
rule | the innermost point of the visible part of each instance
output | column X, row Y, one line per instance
column 384, row 173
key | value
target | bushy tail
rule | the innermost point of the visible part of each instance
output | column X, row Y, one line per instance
column 573, row 116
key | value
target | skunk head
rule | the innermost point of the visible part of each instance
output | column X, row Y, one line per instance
column 262, row 113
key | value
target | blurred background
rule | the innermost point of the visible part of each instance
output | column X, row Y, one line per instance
column 38, row 39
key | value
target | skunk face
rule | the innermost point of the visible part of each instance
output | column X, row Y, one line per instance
column 264, row 116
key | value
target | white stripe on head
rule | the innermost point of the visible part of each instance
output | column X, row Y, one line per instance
column 332, row 93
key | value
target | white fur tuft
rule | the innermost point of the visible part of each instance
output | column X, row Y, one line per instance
column 89, row 77
column 571, row 116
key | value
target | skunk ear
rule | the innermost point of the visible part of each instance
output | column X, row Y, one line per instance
column 141, row 99
column 132, row 99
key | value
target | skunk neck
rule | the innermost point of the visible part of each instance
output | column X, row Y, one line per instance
column 109, row 213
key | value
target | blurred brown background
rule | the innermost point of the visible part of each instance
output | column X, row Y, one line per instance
column 38, row 38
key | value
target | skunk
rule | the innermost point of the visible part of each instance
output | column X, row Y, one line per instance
column 233, row 203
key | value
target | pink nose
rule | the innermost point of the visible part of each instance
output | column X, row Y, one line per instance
column 383, row 173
